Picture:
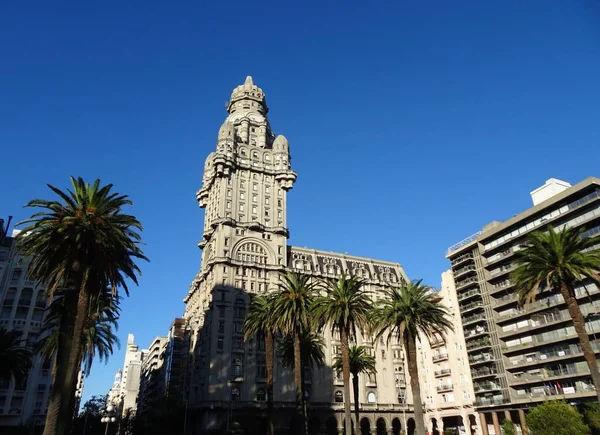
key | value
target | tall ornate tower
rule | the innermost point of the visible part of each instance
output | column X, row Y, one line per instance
column 244, row 190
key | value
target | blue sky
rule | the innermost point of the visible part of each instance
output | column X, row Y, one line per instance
column 411, row 124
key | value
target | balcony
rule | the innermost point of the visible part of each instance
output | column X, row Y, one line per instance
column 439, row 357
column 488, row 401
column 479, row 344
column 466, row 282
column 481, row 358
column 499, row 256
column 446, row 387
column 486, row 386
column 476, row 332
column 443, row 372
column 472, row 319
column 461, row 259
column 484, row 372
column 463, row 270
column 469, row 294
column 472, row 306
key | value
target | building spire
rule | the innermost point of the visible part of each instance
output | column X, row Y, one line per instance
column 248, row 97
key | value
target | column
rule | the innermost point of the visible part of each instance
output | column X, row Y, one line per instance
column 440, row 425
column 507, row 415
column 484, row 427
column 523, row 422
column 496, row 423
column 430, row 426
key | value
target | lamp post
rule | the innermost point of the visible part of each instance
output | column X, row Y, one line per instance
column 108, row 417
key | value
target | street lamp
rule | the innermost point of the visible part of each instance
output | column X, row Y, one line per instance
column 108, row 417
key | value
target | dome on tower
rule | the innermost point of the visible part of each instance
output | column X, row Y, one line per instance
column 250, row 93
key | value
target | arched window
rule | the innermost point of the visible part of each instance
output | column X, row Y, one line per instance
column 235, row 393
column 252, row 252
column 261, row 395
column 371, row 397
column 339, row 397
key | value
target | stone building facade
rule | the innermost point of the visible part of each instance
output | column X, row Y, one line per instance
column 244, row 251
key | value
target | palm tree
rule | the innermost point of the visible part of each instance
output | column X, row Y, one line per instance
column 15, row 360
column 407, row 313
column 79, row 245
column 360, row 362
column 260, row 321
column 98, row 340
column 345, row 306
column 312, row 345
column 293, row 309
column 556, row 261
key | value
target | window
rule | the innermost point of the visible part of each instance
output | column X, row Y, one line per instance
column 220, row 343
column 241, row 207
column 339, row 397
column 255, row 198
column 254, row 210
column 255, row 187
column 261, row 366
column 235, row 393
column 371, row 397
column 240, row 308
column 221, row 311
column 242, row 196
column 261, row 395
column 238, row 367
column 267, row 200
column 228, row 204
column 267, row 188
column 280, row 250
column 221, row 328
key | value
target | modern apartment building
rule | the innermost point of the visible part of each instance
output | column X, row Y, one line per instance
column 22, row 305
column 244, row 252
column 446, row 385
column 521, row 356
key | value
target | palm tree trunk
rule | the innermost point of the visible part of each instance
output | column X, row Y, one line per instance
column 413, row 371
column 356, row 402
column 346, row 380
column 65, row 334
column 568, row 293
column 269, row 344
column 73, row 364
column 298, row 382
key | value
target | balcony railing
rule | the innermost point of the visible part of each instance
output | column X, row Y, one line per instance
column 462, row 258
column 443, row 372
column 469, row 333
column 487, row 401
column 472, row 319
column 484, row 372
column 479, row 344
column 439, row 357
column 486, row 386
column 481, row 358
column 446, row 387
column 466, row 282
column 471, row 306
column 467, row 295
column 463, row 270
